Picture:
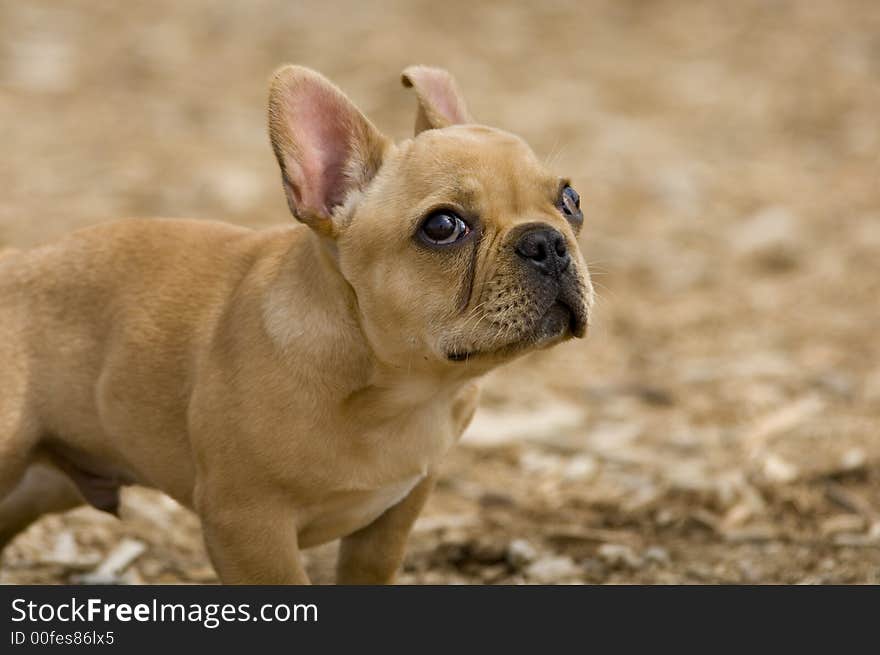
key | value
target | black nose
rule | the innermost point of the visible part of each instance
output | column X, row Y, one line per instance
column 545, row 249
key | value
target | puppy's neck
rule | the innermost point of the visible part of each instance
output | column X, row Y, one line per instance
column 390, row 396
column 308, row 308
column 310, row 313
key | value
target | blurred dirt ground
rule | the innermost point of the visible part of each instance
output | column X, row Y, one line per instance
column 721, row 423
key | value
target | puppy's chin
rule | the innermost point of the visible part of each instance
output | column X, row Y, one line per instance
column 560, row 322
column 556, row 324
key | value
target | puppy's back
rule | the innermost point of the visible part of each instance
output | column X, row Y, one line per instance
column 141, row 274
column 105, row 323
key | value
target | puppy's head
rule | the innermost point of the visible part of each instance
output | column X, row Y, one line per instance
column 459, row 244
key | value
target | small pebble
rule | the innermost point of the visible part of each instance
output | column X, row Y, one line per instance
column 619, row 556
column 657, row 555
column 520, row 553
column 853, row 459
column 779, row 470
column 580, row 467
column 550, row 570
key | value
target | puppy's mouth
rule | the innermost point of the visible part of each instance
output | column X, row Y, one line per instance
column 562, row 320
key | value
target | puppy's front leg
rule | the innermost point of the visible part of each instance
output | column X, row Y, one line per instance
column 373, row 554
column 251, row 543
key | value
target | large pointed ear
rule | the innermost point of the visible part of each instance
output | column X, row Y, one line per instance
column 325, row 146
column 440, row 102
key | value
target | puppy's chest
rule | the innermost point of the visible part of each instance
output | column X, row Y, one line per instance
column 370, row 465
column 343, row 513
column 375, row 475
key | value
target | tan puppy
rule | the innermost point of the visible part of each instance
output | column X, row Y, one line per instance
column 299, row 384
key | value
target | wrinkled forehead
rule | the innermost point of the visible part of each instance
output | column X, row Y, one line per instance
column 480, row 168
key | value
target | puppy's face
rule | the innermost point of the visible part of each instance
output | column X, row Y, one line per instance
column 463, row 252
column 459, row 244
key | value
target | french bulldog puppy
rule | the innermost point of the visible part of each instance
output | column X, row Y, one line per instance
column 299, row 384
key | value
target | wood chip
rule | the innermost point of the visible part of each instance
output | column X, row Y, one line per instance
column 842, row 523
column 116, row 562
column 781, row 420
column 850, row 500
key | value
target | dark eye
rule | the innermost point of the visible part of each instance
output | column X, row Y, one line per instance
column 570, row 204
column 444, row 227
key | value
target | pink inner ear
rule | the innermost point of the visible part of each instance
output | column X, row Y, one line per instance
column 441, row 95
column 319, row 126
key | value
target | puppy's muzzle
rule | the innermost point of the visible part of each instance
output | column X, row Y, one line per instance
column 545, row 251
